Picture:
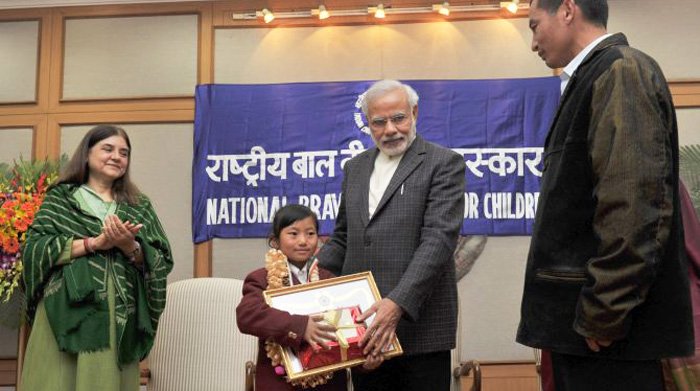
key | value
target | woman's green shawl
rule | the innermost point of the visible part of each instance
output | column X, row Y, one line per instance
column 75, row 294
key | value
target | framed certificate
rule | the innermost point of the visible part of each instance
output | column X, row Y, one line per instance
column 331, row 296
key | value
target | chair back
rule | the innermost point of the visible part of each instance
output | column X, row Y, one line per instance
column 198, row 345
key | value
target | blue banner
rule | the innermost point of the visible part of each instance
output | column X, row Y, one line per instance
column 259, row 147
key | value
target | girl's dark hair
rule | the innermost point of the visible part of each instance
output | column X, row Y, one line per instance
column 77, row 171
column 288, row 215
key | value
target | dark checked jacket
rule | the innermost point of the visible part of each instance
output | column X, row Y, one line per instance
column 606, row 258
column 408, row 242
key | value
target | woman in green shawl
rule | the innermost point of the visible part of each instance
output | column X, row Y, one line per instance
column 96, row 261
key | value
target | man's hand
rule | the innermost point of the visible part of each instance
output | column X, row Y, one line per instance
column 318, row 332
column 381, row 332
column 596, row 344
column 372, row 362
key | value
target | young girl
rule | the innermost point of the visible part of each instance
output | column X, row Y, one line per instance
column 290, row 261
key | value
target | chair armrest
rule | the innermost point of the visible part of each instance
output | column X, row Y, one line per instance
column 249, row 376
column 465, row 368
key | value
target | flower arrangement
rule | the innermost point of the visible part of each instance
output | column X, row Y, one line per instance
column 23, row 187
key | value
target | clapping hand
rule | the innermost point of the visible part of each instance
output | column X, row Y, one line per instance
column 116, row 233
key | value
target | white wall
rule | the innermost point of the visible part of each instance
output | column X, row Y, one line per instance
column 666, row 30
column 688, row 126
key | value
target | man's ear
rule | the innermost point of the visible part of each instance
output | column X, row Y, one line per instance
column 568, row 10
column 415, row 112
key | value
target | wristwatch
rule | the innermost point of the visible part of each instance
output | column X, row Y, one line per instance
column 135, row 252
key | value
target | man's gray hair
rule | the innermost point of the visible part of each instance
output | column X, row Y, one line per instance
column 383, row 87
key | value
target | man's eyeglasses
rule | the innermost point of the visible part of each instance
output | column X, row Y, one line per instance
column 398, row 119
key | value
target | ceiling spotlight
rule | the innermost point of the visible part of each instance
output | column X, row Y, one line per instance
column 442, row 9
column 378, row 11
column 511, row 6
column 266, row 14
column 321, row 12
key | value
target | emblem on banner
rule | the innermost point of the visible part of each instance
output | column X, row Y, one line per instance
column 358, row 115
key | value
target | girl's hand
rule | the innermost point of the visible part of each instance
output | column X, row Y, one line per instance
column 318, row 332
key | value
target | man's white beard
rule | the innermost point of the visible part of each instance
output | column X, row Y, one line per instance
column 400, row 148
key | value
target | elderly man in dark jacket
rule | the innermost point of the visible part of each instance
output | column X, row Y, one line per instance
column 606, row 286
column 399, row 217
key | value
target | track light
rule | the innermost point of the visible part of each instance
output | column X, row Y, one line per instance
column 378, row 11
column 266, row 14
column 321, row 12
column 511, row 6
column 442, row 9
